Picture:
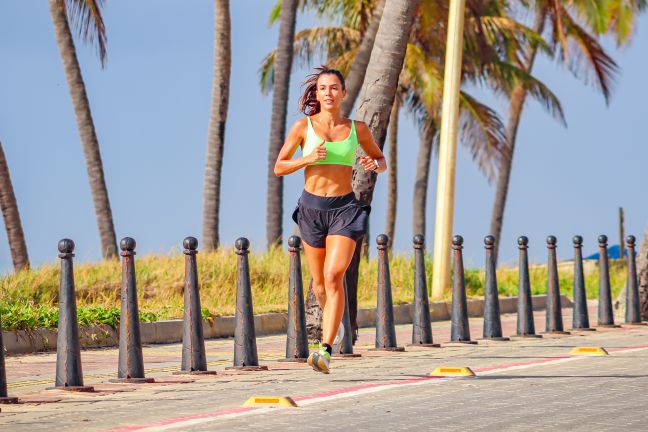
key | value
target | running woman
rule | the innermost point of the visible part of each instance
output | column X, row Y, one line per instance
column 329, row 217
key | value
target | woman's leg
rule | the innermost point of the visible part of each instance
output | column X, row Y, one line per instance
column 315, row 257
column 339, row 251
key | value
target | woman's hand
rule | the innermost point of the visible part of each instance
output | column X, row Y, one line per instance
column 368, row 163
column 318, row 154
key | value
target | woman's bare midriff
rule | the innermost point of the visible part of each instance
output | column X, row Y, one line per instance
column 328, row 180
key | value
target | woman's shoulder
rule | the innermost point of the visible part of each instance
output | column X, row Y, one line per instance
column 300, row 125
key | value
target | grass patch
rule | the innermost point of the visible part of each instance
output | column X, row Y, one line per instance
column 29, row 299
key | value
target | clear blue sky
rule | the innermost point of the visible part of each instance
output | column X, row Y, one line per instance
column 151, row 107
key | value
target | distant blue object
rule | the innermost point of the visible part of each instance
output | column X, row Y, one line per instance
column 614, row 252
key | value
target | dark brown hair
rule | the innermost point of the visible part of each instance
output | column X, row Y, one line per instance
column 308, row 103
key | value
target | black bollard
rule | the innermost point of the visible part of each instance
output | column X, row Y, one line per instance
column 131, row 362
column 385, row 329
column 580, row 320
column 459, row 328
column 194, row 360
column 345, row 347
column 633, row 311
column 69, row 374
column 525, row 324
column 492, row 321
column 4, row 396
column 421, row 324
column 605, row 312
column 554, row 310
column 245, row 349
column 297, row 338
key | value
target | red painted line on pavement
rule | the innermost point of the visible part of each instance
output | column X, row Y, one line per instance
column 224, row 412
column 526, row 363
column 621, row 349
column 185, row 418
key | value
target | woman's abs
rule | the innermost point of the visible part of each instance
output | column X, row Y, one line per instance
column 328, row 180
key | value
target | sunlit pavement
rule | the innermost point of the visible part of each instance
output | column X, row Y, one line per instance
column 523, row 384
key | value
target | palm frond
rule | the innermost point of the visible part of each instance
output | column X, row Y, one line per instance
column 483, row 133
column 503, row 77
column 330, row 43
column 85, row 17
column 590, row 57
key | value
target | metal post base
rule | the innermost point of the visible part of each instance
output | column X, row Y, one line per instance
column 341, row 355
column 88, row 389
column 8, row 400
column 247, row 368
column 526, row 336
column 609, row 325
column 460, row 342
column 425, row 345
column 556, row 332
column 132, row 380
column 193, row 372
column 585, row 329
column 638, row 324
column 496, row 339
column 396, row 349
column 293, row 360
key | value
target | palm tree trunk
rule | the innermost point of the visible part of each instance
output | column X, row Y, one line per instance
column 283, row 65
column 392, row 188
column 86, row 128
column 11, row 217
column 217, row 121
column 518, row 96
column 375, row 102
column 422, row 178
column 642, row 275
column 356, row 74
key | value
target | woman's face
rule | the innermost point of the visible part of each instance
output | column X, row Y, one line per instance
column 330, row 92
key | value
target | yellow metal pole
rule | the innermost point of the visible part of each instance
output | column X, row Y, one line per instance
column 448, row 151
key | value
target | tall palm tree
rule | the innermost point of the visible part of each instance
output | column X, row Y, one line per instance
column 642, row 275
column 11, row 217
column 217, row 121
column 571, row 25
column 356, row 75
column 85, row 17
column 274, row 197
column 392, row 172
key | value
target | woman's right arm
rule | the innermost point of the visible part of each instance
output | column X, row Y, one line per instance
column 285, row 163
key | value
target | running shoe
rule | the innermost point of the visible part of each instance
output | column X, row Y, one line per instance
column 338, row 338
column 320, row 360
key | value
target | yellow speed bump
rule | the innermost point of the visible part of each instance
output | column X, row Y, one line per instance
column 453, row 371
column 588, row 351
column 270, row 401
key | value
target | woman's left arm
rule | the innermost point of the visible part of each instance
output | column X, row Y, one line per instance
column 375, row 159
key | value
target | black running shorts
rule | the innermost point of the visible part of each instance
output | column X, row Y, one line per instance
column 318, row 217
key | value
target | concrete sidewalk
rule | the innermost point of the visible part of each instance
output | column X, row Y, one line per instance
column 380, row 390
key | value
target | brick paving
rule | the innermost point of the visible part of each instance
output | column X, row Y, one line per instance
column 542, row 391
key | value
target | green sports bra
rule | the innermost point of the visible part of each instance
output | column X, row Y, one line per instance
column 337, row 152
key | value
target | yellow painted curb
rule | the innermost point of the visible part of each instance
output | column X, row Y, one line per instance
column 283, row 401
column 451, row 371
column 593, row 351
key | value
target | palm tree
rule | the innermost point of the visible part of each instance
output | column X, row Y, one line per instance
column 642, row 275
column 85, row 16
column 569, row 38
column 356, row 75
column 392, row 172
column 11, row 217
column 274, row 207
column 217, row 120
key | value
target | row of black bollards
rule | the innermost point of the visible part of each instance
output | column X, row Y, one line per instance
column 131, row 365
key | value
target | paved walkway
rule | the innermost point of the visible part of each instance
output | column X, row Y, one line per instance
column 524, row 384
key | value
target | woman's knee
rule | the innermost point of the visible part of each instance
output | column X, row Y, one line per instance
column 333, row 279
